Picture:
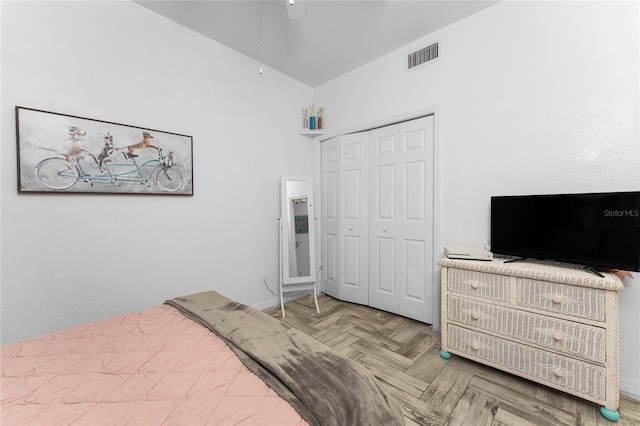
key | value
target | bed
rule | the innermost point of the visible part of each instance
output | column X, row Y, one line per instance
column 197, row 359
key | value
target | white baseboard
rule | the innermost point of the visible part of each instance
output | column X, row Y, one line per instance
column 630, row 389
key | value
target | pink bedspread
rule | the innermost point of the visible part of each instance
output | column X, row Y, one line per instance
column 148, row 368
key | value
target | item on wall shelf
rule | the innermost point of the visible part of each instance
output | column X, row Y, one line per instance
column 311, row 119
column 319, row 115
column 61, row 153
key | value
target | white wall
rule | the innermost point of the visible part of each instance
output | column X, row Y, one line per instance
column 69, row 259
column 535, row 97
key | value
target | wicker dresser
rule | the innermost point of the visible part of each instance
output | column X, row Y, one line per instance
column 552, row 323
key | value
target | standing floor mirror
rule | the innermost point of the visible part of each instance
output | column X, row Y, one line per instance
column 297, row 237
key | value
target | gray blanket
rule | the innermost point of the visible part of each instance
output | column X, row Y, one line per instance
column 325, row 387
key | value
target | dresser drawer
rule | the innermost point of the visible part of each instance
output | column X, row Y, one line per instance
column 479, row 284
column 569, row 374
column 580, row 302
column 575, row 339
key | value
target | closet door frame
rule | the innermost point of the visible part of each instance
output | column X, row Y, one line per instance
column 437, row 193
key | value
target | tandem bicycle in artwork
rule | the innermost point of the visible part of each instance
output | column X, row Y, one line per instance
column 62, row 153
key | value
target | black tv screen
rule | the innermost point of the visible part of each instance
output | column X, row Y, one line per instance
column 600, row 230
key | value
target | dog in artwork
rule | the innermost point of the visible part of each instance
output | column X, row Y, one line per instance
column 75, row 136
column 144, row 143
column 107, row 150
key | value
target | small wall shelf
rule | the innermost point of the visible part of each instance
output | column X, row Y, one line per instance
column 312, row 133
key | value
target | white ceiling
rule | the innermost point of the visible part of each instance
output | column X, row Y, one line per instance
column 329, row 39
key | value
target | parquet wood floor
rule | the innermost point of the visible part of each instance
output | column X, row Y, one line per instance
column 404, row 355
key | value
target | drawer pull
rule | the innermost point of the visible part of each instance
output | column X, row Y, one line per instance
column 558, row 372
column 558, row 336
column 475, row 285
column 475, row 346
column 475, row 315
column 557, row 299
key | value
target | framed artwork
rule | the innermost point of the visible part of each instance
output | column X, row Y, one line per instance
column 60, row 153
column 302, row 224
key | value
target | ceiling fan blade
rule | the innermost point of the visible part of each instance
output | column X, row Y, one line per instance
column 296, row 8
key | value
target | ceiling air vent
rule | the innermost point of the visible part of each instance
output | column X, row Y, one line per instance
column 422, row 56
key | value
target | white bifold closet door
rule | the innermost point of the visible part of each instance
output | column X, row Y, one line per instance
column 329, row 217
column 401, row 218
column 377, row 218
column 345, row 217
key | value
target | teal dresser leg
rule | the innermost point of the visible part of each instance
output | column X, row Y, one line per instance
column 446, row 355
column 611, row 415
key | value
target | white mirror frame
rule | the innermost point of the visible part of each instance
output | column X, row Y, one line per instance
column 296, row 188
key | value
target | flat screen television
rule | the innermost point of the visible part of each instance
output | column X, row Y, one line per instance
column 599, row 230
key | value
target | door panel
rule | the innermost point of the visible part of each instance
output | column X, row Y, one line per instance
column 385, row 270
column 416, row 159
column 414, row 192
column 414, row 270
column 400, row 223
column 385, row 196
column 352, row 185
column 386, row 143
column 383, row 213
column 353, row 168
column 330, row 222
column 330, row 246
column 352, row 261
